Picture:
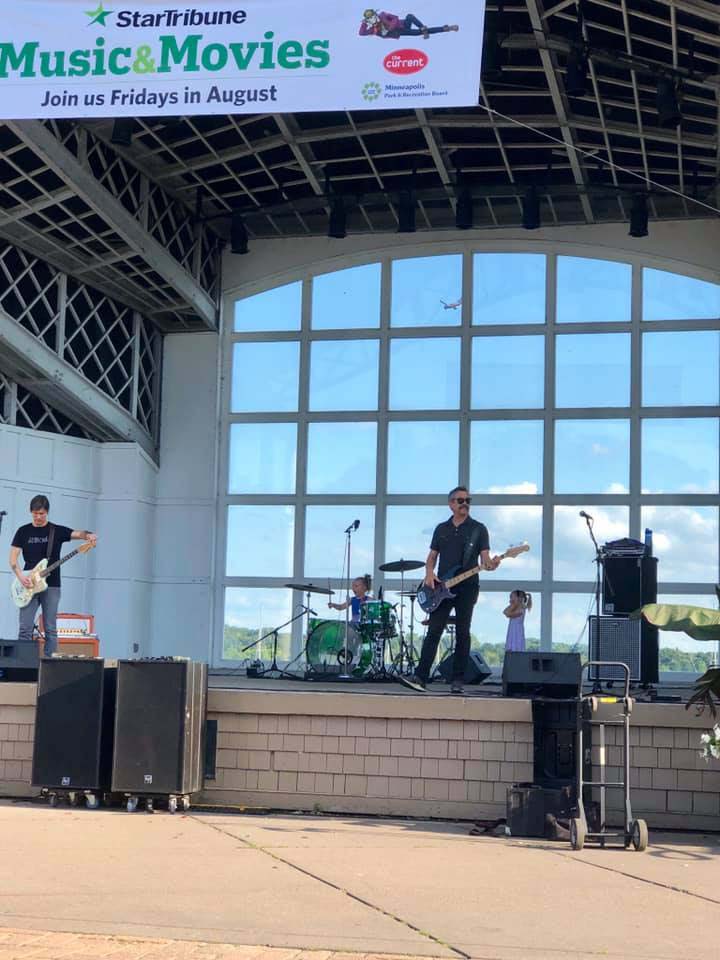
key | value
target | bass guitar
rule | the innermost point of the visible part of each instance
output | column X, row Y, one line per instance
column 38, row 575
column 430, row 598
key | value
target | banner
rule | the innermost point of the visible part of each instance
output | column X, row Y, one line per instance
column 84, row 58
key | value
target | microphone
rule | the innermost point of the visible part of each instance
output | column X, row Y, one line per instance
column 3, row 513
column 586, row 516
column 356, row 524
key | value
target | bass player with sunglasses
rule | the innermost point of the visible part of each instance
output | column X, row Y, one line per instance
column 460, row 543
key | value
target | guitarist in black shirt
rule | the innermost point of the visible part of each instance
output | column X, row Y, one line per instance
column 460, row 544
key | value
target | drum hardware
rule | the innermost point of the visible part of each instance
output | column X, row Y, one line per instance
column 405, row 660
column 333, row 649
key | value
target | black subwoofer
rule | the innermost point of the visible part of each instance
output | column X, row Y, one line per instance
column 160, row 727
column 476, row 670
column 74, row 724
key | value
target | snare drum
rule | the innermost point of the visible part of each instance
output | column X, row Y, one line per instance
column 378, row 616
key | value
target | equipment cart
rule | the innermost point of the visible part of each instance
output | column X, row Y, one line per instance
column 634, row 832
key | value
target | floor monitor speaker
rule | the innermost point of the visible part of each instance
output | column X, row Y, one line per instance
column 160, row 726
column 541, row 673
column 476, row 670
column 74, row 718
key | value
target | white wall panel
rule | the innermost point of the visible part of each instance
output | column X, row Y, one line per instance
column 181, row 620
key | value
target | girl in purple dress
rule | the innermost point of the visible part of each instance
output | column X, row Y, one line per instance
column 520, row 604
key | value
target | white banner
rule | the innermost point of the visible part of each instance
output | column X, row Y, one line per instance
column 110, row 58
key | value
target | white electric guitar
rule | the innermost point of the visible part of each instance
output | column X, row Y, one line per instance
column 38, row 575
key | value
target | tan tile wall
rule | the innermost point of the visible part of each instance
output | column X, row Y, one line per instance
column 393, row 755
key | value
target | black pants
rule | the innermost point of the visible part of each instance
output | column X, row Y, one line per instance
column 463, row 602
column 414, row 28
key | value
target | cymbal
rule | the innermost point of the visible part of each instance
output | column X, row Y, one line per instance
column 309, row 588
column 401, row 566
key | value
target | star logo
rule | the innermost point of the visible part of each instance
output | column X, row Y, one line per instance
column 98, row 16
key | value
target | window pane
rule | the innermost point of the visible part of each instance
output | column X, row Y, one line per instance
column 592, row 456
column 592, row 290
column 265, row 377
column 344, row 375
column 685, row 541
column 408, row 534
column 574, row 551
column 425, row 374
column 508, row 372
column 678, row 651
column 276, row 309
column 569, row 622
column 341, row 457
column 427, row 291
column 325, row 542
column 508, row 288
column 250, row 613
column 509, row 526
column 681, row 369
column 592, row 370
column 488, row 630
column 423, row 456
column 347, row 299
column 669, row 296
column 260, row 541
column 680, row 456
column 262, row 458
column 506, row 456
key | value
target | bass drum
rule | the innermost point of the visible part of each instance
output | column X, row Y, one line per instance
column 325, row 649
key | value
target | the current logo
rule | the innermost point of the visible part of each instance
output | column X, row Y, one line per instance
column 406, row 61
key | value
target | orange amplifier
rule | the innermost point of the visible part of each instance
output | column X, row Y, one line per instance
column 76, row 635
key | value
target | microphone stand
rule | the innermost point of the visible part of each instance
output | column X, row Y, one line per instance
column 274, row 668
column 598, row 566
column 345, row 675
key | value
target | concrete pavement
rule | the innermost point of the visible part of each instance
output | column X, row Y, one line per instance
column 216, row 882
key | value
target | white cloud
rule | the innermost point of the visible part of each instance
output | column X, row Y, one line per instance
column 525, row 488
column 599, row 450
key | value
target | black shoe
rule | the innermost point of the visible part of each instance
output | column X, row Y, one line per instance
column 457, row 688
column 413, row 682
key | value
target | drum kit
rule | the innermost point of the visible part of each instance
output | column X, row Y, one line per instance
column 373, row 648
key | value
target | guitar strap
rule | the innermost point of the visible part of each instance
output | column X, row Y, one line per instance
column 470, row 547
column 51, row 541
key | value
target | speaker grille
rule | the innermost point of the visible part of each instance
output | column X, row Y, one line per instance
column 616, row 638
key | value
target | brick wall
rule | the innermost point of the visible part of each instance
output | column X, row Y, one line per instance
column 404, row 755
column 17, row 719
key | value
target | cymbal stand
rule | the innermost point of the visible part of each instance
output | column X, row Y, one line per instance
column 412, row 655
column 406, row 656
column 345, row 675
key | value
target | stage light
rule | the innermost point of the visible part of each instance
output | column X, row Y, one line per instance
column 337, row 219
column 122, row 131
column 238, row 235
column 576, row 76
column 531, row 209
column 666, row 102
column 406, row 211
column 639, row 216
column 464, row 210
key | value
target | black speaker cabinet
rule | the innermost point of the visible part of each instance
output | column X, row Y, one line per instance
column 543, row 674
column 633, row 642
column 476, row 670
column 19, row 661
column 160, row 727
column 74, row 724
column 628, row 583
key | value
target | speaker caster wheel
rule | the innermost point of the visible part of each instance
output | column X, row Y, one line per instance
column 132, row 804
column 52, row 799
column 186, row 804
column 172, row 804
column 92, row 802
column 149, row 805
column 72, row 798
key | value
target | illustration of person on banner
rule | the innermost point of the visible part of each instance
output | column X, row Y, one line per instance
column 390, row 26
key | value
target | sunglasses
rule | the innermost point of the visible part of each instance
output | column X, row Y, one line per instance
column 462, row 500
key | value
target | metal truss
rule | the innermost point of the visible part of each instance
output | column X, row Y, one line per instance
column 272, row 168
column 20, row 408
column 70, row 198
column 77, row 354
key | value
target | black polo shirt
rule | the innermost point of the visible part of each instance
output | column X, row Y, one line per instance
column 450, row 542
column 33, row 541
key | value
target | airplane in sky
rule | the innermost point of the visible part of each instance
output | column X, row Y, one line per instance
column 451, row 306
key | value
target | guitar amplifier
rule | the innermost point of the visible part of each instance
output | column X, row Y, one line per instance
column 619, row 639
column 76, row 634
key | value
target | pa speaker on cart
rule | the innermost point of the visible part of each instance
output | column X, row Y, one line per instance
column 160, row 726
column 74, row 724
column 476, row 670
column 541, row 674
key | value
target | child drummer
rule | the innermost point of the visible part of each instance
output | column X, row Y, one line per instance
column 361, row 594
